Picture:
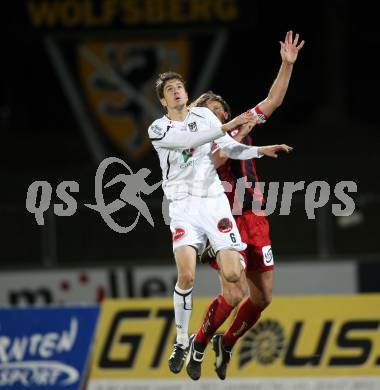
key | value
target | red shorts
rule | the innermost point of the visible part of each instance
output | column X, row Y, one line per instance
column 254, row 231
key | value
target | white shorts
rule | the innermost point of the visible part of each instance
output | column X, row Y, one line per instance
column 195, row 219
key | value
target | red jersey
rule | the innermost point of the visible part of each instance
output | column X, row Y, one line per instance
column 245, row 170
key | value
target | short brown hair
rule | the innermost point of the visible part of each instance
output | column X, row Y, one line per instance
column 163, row 78
column 211, row 96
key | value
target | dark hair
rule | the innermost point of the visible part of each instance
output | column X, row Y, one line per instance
column 163, row 78
column 211, row 96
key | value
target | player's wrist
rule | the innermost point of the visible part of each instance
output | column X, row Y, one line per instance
column 229, row 126
column 260, row 151
column 287, row 63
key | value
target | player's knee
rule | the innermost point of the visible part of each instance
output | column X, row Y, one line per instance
column 232, row 275
column 186, row 280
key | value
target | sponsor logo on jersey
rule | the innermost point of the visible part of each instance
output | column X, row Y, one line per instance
column 193, row 127
column 178, row 234
column 186, row 154
column 156, row 129
column 188, row 164
column 268, row 255
column 225, row 225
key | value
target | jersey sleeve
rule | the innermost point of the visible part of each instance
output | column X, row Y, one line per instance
column 236, row 150
column 170, row 137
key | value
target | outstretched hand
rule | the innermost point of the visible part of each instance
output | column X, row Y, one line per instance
column 271, row 151
column 289, row 48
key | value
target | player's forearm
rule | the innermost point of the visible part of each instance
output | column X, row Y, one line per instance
column 187, row 140
column 219, row 158
column 238, row 137
column 236, row 150
column 201, row 138
column 278, row 90
column 280, row 85
column 233, row 124
column 226, row 127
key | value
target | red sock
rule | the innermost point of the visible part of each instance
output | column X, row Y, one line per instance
column 246, row 317
column 216, row 314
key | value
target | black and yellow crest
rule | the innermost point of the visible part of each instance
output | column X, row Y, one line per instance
column 118, row 80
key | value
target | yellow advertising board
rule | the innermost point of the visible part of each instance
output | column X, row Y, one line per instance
column 315, row 336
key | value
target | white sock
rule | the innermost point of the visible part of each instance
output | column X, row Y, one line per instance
column 183, row 305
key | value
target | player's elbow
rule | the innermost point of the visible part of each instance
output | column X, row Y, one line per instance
column 274, row 102
column 279, row 102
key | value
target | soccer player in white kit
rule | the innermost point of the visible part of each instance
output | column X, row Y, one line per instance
column 198, row 208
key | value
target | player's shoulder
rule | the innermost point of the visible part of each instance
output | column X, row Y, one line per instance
column 160, row 121
column 202, row 112
column 158, row 127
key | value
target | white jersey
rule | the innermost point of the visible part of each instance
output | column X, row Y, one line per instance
column 184, row 150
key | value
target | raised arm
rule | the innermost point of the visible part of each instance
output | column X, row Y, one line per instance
column 289, row 53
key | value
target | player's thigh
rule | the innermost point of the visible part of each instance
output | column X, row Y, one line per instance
column 255, row 233
column 229, row 264
column 259, row 258
column 184, row 228
column 220, row 226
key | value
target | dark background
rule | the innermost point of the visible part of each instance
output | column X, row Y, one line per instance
column 330, row 116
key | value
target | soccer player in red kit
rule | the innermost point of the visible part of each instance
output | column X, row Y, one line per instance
column 253, row 228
